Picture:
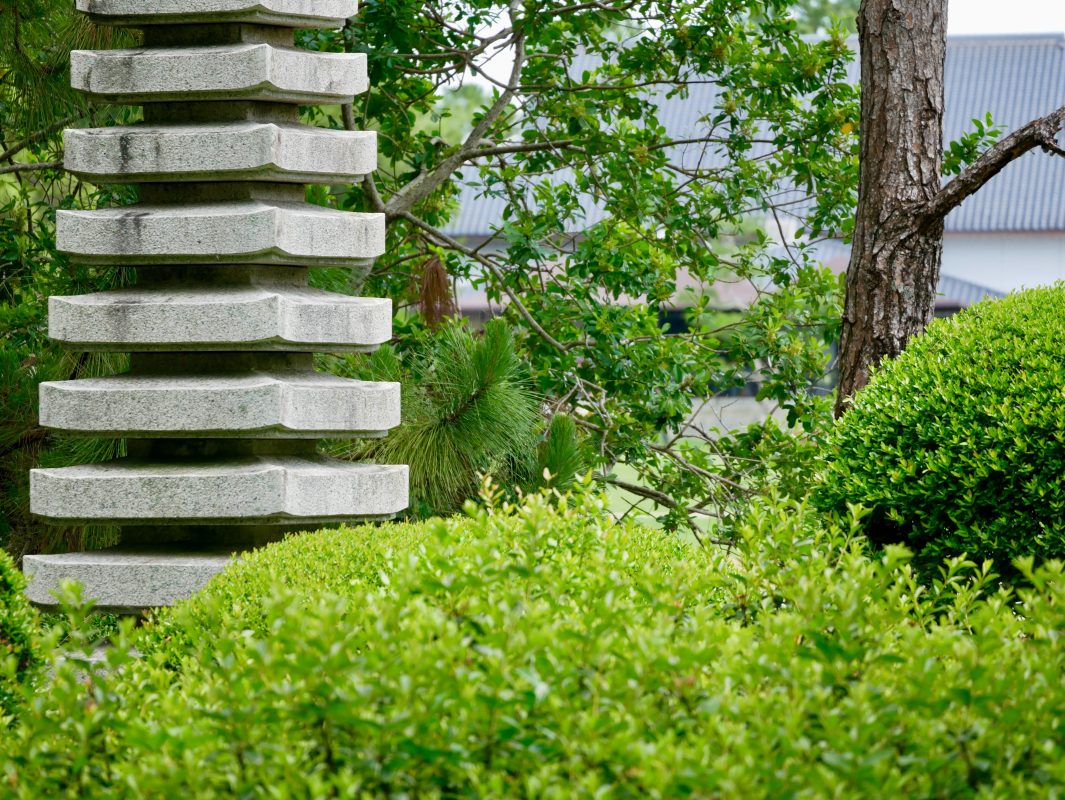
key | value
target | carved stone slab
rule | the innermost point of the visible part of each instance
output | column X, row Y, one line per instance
column 234, row 232
column 246, row 491
column 123, row 580
column 219, row 72
column 222, row 318
column 288, row 13
column 220, row 152
column 271, row 405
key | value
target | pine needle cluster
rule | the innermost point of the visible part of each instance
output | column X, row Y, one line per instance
column 468, row 411
column 38, row 35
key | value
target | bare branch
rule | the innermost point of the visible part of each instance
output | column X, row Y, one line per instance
column 369, row 186
column 35, row 167
column 660, row 498
column 523, row 147
column 348, row 112
column 666, row 501
column 425, row 184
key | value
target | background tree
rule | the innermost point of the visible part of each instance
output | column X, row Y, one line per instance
column 902, row 201
column 818, row 16
column 609, row 213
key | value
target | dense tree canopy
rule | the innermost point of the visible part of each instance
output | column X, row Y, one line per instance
column 818, row 16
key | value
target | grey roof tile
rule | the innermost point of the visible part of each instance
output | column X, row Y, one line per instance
column 1016, row 77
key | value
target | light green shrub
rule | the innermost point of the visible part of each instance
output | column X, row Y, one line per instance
column 18, row 635
column 303, row 568
column 958, row 445
column 544, row 652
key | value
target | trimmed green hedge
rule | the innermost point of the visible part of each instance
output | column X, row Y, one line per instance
column 958, row 445
column 301, row 568
column 544, row 652
column 19, row 652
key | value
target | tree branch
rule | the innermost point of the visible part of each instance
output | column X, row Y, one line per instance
column 369, row 186
column 443, row 238
column 1040, row 132
column 425, row 184
column 348, row 113
column 666, row 501
column 660, row 498
column 34, row 167
column 522, row 147
column 22, row 144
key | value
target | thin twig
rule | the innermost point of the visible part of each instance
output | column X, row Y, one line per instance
column 35, row 167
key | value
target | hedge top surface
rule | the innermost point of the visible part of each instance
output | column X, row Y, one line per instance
column 958, row 444
column 349, row 562
column 543, row 652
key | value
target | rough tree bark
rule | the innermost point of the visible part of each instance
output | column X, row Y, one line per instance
column 898, row 232
column 894, row 266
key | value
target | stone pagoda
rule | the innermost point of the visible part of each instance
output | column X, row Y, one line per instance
column 221, row 407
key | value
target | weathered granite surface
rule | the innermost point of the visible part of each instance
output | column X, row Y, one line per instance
column 288, row 13
column 240, row 71
column 222, row 151
column 246, row 404
column 122, row 580
column 237, row 232
column 220, row 318
column 242, row 490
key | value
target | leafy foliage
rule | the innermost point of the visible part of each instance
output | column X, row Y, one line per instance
column 961, row 152
column 19, row 646
column 818, row 16
column 575, row 145
column 543, row 651
column 958, row 445
column 36, row 102
column 31, row 269
column 468, row 411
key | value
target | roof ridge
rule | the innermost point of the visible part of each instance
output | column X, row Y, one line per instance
column 1057, row 37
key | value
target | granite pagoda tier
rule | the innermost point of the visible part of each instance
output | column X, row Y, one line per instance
column 221, row 407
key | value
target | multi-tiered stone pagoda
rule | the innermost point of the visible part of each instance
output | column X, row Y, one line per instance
column 221, row 408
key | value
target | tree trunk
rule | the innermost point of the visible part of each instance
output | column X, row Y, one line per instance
column 897, row 248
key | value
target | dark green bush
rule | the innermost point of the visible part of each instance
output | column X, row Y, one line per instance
column 543, row 652
column 18, row 636
column 958, row 445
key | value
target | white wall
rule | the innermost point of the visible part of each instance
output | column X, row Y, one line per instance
column 1005, row 261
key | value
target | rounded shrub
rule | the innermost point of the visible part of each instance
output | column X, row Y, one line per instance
column 18, row 634
column 958, row 445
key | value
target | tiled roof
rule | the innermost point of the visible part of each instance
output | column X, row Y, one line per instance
column 1017, row 78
